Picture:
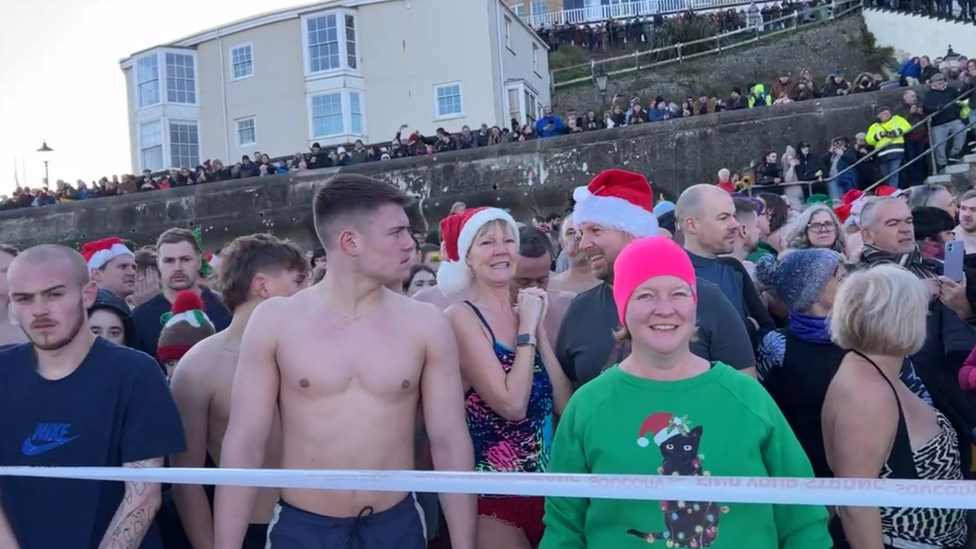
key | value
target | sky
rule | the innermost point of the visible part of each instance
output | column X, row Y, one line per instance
column 61, row 80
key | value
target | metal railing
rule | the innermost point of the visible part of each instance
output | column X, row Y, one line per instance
column 927, row 121
column 678, row 53
column 625, row 10
column 929, row 151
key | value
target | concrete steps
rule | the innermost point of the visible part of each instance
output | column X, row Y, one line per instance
column 959, row 177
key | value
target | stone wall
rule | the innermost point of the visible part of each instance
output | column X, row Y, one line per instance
column 837, row 45
column 533, row 177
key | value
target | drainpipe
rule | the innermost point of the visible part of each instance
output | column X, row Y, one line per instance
column 501, row 51
column 223, row 97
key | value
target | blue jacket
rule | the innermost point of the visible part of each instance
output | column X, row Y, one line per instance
column 557, row 126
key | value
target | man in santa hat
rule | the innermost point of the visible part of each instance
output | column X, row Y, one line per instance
column 112, row 265
column 616, row 208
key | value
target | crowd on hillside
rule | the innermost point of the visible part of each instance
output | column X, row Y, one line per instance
column 638, row 33
column 785, row 89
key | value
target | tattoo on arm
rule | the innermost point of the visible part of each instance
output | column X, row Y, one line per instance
column 136, row 512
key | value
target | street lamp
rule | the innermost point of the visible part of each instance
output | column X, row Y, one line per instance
column 601, row 84
column 950, row 62
column 45, row 151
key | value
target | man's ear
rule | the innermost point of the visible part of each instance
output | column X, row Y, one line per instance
column 96, row 275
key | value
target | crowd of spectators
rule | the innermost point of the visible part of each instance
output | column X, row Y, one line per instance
column 955, row 76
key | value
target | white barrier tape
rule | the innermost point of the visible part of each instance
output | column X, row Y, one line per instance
column 801, row 491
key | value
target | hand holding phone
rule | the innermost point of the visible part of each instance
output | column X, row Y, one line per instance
column 955, row 251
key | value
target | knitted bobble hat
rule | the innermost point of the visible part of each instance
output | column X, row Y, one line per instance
column 799, row 276
column 188, row 326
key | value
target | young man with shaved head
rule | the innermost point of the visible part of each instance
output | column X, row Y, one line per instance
column 252, row 269
column 344, row 362
column 71, row 398
column 578, row 278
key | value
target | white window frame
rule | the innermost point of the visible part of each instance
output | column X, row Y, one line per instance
column 253, row 128
column 169, row 134
column 143, row 148
column 508, row 34
column 139, row 82
column 195, row 81
column 345, row 103
column 234, row 65
column 523, row 108
column 460, row 95
column 344, row 66
column 518, row 10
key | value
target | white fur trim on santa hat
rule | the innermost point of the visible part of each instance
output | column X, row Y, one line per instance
column 613, row 213
column 101, row 257
column 665, row 434
column 453, row 277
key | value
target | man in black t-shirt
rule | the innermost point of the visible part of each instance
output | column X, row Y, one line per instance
column 615, row 209
column 71, row 398
column 179, row 263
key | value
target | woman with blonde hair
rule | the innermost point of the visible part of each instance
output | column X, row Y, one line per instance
column 874, row 425
column 664, row 411
column 513, row 382
column 816, row 227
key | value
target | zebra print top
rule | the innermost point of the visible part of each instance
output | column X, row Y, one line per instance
column 937, row 459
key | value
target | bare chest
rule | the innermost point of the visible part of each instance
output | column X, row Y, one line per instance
column 379, row 356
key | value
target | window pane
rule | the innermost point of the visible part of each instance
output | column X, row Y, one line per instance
column 356, row 113
column 245, row 132
column 448, row 100
column 327, row 115
column 180, row 84
column 242, row 65
column 151, row 146
column 147, row 80
column 323, row 43
column 184, row 144
column 351, row 41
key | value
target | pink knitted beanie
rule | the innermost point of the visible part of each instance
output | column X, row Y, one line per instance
column 644, row 259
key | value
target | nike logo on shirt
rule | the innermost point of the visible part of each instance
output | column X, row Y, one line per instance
column 46, row 437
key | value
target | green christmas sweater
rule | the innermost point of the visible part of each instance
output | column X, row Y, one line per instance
column 719, row 423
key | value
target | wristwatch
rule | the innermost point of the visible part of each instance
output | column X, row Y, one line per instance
column 523, row 340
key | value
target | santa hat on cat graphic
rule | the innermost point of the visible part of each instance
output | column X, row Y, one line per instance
column 660, row 426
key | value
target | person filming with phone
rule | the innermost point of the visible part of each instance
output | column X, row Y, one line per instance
column 889, row 231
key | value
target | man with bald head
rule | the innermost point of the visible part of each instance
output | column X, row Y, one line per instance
column 705, row 215
column 71, row 398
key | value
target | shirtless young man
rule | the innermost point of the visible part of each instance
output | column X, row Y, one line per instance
column 10, row 332
column 345, row 362
column 251, row 270
column 579, row 277
column 966, row 230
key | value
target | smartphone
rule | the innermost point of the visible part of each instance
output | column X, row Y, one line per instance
column 955, row 251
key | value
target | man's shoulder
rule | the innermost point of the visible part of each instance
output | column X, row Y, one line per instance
column 586, row 298
column 13, row 356
column 124, row 358
column 561, row 297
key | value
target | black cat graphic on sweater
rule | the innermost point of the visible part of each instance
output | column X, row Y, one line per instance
column 687, row 523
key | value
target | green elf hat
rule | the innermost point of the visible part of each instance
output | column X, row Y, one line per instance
column 818, row 199
column 205, row 267
column 187, row 326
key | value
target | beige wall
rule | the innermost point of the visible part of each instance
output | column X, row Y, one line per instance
column 407, row 51
column 274, row 96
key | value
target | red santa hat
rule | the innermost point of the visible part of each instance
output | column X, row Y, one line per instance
column 617, row 199
column 100, row 252
column 851, row 195
column 886, row 190
column 457, row 235
column 660, row 426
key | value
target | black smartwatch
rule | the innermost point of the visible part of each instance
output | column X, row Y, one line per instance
column 525, row 340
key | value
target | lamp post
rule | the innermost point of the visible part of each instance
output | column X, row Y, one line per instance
column 601, row 84
column 950, row 63
column 45, row 151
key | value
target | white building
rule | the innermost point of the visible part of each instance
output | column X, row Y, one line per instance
column 332, row 72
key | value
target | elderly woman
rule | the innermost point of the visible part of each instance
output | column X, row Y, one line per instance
column 513, row 382
column 816, row 227
column 664, row 411
column 797, row 363
column 874, row 425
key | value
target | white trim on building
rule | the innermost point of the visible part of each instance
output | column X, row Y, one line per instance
column 241, row 61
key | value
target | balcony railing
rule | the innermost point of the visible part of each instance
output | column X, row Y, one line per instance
column 627, row 10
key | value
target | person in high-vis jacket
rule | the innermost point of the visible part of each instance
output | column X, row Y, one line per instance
column 887, row 137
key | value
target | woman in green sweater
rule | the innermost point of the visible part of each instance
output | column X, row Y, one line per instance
column 664, row 411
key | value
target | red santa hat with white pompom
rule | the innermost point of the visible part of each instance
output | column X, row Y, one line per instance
column 457, row 235
column 100, row 252
column 660, row 426
column 617, row 199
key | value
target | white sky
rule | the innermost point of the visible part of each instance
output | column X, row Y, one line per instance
column 61, row 79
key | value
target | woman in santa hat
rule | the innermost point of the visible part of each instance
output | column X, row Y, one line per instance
column 664, row 411
column 513, row 382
